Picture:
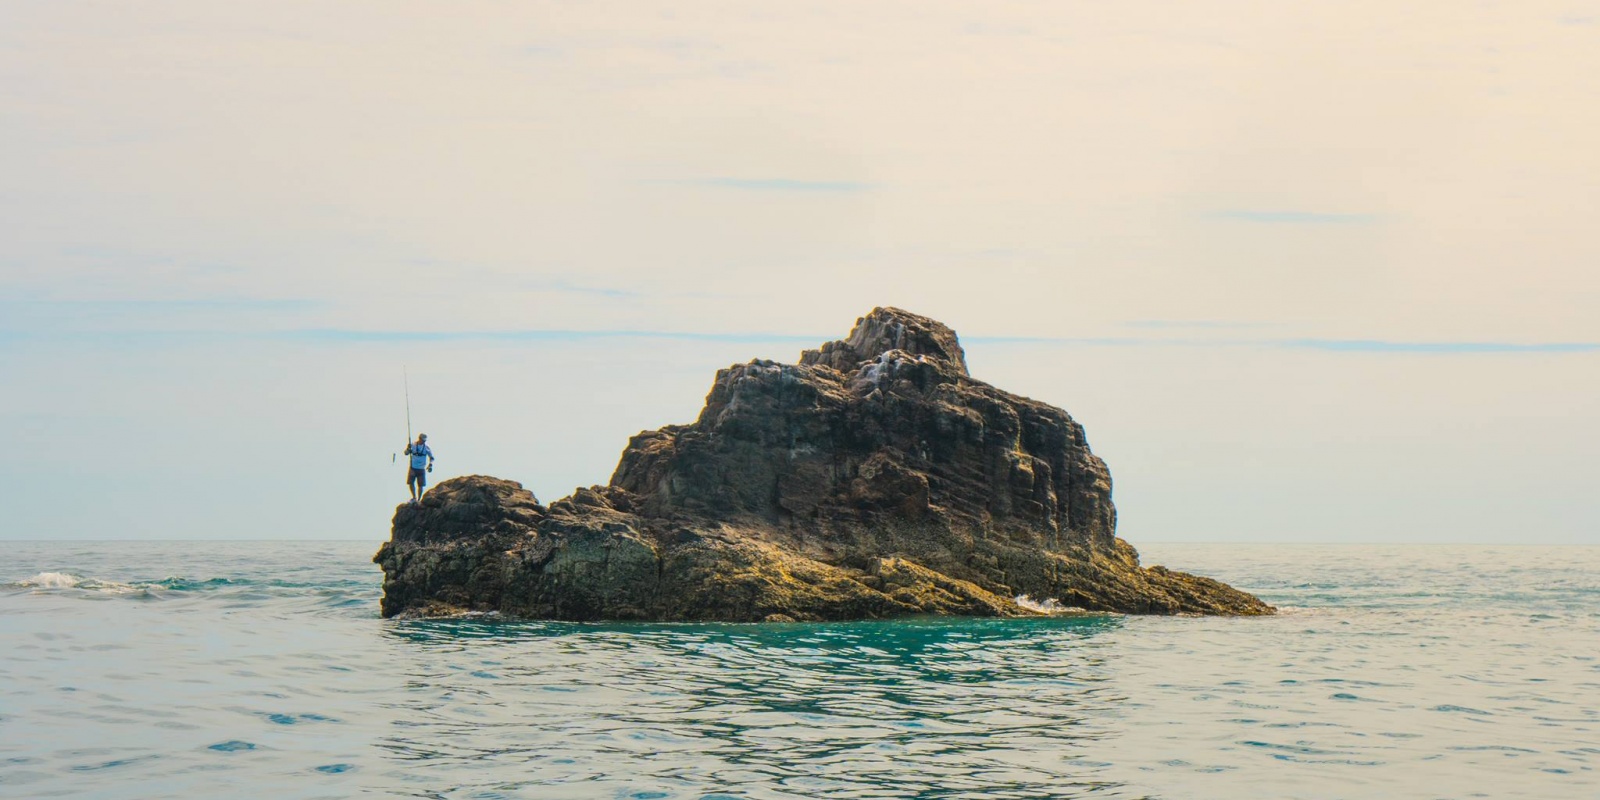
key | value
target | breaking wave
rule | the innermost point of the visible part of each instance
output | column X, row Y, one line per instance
column 48, row 581
column 359, row 596
column 1046, row 606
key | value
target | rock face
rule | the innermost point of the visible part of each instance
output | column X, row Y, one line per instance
column 875, row 478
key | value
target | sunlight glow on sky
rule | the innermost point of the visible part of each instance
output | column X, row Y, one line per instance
column 1315, row 271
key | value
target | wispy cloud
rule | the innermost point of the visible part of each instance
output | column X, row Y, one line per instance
column 1210, row 324
column 158, row 306
column 1294, row 217
column 768, row 184
column 563, row 287
column 1376, row 346
column 1077, row 341
column 1436, row 348
column 356, row 336
column 334, row 335
column 58, row 320
column 46, row 316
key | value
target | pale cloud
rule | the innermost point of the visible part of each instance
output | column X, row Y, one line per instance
column 1296, row 217
column 1195, row 323
column 1439, row 348
column 768, row 184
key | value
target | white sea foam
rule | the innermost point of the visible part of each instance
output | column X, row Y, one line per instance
column 51, row 580
column 1045, row 606
column 66, row 580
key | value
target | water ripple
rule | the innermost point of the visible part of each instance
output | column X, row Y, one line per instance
column 177, row 670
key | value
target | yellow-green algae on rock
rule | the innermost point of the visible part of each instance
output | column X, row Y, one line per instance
column 876, row 478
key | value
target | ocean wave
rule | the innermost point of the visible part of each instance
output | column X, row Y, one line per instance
column 51, row 580
column 347, row 595
column 48, row 581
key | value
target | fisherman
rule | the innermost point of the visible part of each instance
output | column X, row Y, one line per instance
column 421, row 465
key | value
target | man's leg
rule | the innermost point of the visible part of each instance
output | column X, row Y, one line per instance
column 411, row 483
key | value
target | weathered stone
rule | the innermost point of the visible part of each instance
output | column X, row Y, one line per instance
column 874, row 479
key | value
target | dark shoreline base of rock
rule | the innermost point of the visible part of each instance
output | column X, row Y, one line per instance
column 874, row 479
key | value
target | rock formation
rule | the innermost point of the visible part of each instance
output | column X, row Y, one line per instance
column 876, row 478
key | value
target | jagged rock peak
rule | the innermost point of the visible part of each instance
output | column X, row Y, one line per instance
column 874, row 479
column 887, row 328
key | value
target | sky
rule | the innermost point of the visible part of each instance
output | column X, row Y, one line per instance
column 1322, row 271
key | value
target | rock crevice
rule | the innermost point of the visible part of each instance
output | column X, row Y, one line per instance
column 876, row 478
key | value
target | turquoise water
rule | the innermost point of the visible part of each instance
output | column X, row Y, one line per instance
column 186, row 669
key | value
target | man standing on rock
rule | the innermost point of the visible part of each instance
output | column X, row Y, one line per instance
column 421, row 465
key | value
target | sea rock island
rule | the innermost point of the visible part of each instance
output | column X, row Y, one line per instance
column 875, row 478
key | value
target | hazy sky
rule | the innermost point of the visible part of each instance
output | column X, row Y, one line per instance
column 1305, row 271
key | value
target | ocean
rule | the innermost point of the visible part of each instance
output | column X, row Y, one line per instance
column 262, row 669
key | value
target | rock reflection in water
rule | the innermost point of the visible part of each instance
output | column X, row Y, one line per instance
column 925, row 708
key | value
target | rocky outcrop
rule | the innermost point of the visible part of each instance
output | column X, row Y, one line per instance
column 876, row 478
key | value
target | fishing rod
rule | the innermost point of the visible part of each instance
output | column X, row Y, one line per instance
column 405, row 376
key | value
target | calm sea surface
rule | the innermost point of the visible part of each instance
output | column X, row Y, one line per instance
column 188, row 669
